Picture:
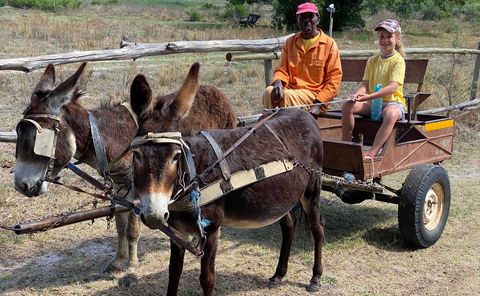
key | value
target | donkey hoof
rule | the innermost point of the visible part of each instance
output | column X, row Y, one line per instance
column 313, row 287
column 128, row 280
column 111, row 268
column 274, row 282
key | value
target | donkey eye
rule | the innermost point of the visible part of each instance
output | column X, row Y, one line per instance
column 176, row 157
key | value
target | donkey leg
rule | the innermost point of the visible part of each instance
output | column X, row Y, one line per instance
column 115, row 264
column 175, row 268
column 207, row 265
column 311, row 205
column 133, row 233
column 287, row 224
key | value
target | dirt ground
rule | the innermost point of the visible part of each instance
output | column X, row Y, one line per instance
column 364, row 253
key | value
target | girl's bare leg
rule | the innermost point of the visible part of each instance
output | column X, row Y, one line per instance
column 348, row 121
column 390, row 115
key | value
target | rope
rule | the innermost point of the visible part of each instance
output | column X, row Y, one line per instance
column 338, row 101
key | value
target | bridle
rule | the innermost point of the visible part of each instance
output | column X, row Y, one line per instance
column 186, row 173
column 45, row 140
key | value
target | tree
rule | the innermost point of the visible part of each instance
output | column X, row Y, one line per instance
column 347, row 13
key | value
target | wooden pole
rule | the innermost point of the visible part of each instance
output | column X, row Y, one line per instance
column 8, row 137
column 476, row 72
column 453, row 107
column 267, row 66
column 133, row 50
column 250, row 56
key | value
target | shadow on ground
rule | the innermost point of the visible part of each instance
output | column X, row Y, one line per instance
column 342, row 223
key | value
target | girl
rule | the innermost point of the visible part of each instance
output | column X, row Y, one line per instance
column 387, row 69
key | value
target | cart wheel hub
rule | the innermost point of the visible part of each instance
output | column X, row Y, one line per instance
column 433, row 206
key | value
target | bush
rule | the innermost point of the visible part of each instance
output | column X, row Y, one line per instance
column 233, row 12
column 104, row 2
column 194, row 16
column 471, row 10
column 406, row 9
column 42, row 4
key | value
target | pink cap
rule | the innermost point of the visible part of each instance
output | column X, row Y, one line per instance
column 391, row 26
column 307, row 7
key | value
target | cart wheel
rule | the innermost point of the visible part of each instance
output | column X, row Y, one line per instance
column 354, row 196
column 424, row 205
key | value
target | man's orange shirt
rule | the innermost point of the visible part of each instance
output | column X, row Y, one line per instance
column 318, row 69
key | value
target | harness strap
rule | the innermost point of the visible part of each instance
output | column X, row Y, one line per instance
column 36, row 124
column 219, row 153
column 98, row 145
column 272, row 131
column 237, row 180
column 237, row 143
column 134, row 116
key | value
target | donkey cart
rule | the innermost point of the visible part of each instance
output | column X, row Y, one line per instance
column 421, row 145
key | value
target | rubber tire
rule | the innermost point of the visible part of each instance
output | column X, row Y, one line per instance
column 354, row 196
column 411, row 205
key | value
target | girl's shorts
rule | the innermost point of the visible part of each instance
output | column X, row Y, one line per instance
column 384, row 105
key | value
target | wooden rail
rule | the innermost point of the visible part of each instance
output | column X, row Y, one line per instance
column 134, row 50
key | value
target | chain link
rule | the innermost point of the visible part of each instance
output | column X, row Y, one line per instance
column 366, row 186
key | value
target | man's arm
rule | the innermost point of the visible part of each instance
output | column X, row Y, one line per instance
column 333, row 76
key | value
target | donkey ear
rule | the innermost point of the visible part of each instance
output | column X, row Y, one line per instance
column 186, row 94
column 140, row 96
column 63, row 94
column 47, row 80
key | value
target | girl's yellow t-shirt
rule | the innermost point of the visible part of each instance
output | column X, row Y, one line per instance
column 384, row 71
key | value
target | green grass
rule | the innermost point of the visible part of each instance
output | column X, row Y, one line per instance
column 169, row 3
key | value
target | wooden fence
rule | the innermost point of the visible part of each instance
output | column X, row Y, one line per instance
column 243, row 50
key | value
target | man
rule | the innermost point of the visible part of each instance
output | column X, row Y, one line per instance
column 310, row 70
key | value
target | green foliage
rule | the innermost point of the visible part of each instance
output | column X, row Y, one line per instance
column 104, row 2
column 284, row 14
column 471, row 11
column 210, row 6
column 374, row 6
column 347, row 14
column 408, row 9
column 42, row 4
column 432, row 11
column 238, row 2
column 194, row 16
column 233, row 12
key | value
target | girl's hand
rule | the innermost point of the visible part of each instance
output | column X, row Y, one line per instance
column 352, row 98
column 363, row 98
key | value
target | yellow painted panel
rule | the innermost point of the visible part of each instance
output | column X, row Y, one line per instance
column 438, row 125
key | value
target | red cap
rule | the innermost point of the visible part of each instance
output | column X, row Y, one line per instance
column 307, row 7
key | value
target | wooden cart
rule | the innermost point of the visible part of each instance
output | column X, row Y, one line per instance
column 419, row 143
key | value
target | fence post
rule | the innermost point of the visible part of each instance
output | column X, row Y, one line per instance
column 476, row 72
column 267, row 66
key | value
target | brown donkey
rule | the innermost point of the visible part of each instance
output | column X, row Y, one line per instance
column 160, row 155
column 58, row 108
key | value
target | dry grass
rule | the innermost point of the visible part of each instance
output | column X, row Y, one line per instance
column 364, row 252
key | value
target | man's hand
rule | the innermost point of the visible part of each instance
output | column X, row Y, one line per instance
column 277, row 92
